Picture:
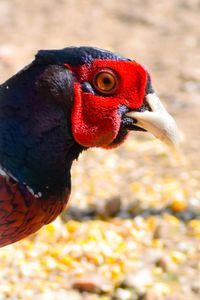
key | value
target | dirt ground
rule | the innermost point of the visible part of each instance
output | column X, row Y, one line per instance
column 162, row 35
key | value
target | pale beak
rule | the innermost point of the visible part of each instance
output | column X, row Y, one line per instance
column 157, row 121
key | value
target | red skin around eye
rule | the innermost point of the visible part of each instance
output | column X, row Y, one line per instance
column 95, row 118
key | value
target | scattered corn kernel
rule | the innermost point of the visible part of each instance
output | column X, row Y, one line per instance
column 178, row 205
column 178, row 257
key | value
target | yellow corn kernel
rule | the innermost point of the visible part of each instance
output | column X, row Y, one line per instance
column 178, row 205
column 177, row 257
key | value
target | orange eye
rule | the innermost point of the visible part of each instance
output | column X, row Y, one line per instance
column 105, row 81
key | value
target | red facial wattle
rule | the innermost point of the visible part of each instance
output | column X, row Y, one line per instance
column 95, row 116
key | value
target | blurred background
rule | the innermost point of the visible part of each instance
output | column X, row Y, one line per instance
column 132, row 228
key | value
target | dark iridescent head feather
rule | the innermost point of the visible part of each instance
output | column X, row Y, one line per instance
column 75, row 56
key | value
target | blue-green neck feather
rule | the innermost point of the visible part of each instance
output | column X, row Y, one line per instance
column 36, row 144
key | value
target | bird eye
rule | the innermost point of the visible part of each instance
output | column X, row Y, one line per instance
column 105, row 81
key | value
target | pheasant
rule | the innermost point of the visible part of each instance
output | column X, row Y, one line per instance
column 61, row 104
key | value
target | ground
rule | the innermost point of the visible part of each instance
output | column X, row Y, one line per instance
column 132, row 228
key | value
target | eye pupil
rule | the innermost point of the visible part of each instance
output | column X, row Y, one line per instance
column 105, row 81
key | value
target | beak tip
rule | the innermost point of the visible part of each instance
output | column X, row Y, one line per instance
column 158, row 122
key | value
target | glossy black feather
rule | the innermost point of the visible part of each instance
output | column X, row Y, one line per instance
column 36, row 144
column 75, row 56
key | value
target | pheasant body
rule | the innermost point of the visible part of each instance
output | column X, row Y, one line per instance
column 22, row 213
